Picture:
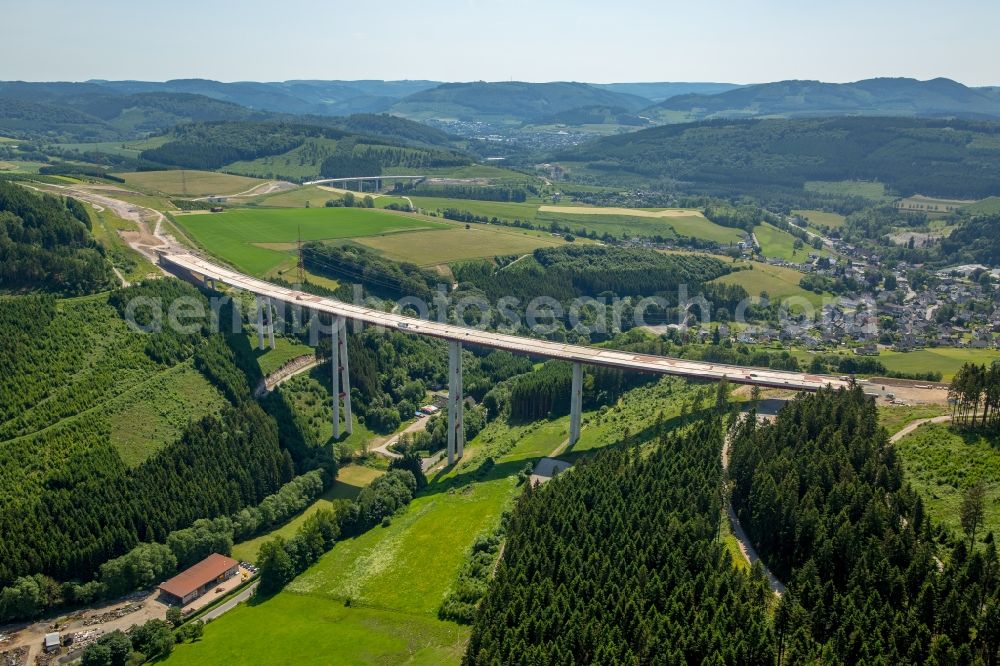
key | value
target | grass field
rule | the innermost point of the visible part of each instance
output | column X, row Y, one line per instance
column 456, row 243
column 780, row 244
column 932, row 205
column 946, row 360
column 614, row 221
column 250, row 239
column 350, row 480
column 312, row 196
column 821, row 218
column 941, row 463
column 847, row 188
column 778, row 281
column 269, row 360
column 988, row 206
column 186, row 182
column 896, row 417
column 395, row 577
column 297, row 629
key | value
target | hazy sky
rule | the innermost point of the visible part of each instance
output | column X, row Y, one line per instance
column 462, row 40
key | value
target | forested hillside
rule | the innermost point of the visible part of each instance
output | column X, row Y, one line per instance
column 590, row 270
column 950, row 158
column 594, row 271
column 509, row 100
column 616, row 561
column 45, row 243
column 877, row 97
column 822, row 496
column 215, row 145
column 68, row 501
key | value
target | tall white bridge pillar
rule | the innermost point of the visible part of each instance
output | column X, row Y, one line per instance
column 456, row 402
column 260, row 322
column 340, row 377
column 270, row 321
column 575, row 404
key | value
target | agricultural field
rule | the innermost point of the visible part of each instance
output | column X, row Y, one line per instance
column 778, row 281
column 819, row 218
column 257, row 241
column 946, row 360
column 350, row 480
column 932, row 205
column 941, row 463
column 613, row 221
column 646, row 222
column 503, row 210
column 186, row 182
column 123, row 148
column 430, row 248
column 848, row 188
column 312, row 196
column 20, row 166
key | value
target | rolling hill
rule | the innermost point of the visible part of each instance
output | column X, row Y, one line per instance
column 949, row 158
column 882, row 96
column 510, row 102
column 324, row 98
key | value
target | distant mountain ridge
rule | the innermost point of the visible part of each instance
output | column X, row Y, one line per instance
column 511, row 101
column 881, row 96
column 112, row 110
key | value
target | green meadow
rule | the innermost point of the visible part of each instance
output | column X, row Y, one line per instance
column 941, row 463
column 257, row 240
column 946, row 360
column 778, row 281
column 374, row 598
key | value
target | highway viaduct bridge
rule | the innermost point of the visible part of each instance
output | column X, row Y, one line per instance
column 361, row 180
column 194, row 267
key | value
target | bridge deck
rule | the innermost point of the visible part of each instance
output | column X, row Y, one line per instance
column 513, row 343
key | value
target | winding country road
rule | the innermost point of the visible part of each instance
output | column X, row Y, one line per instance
column 913, row 425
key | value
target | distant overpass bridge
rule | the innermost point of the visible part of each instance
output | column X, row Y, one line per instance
column 196, row 268
column 361, row 180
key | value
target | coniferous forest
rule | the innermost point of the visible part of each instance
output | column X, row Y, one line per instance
column 822, row 496
column 617, row 561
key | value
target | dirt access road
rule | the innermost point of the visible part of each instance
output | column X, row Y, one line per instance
column 149, row 237
column 913, row 425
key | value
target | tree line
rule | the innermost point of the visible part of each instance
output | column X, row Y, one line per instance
column 974, row 394
column 45, row 244
column 822, row 496
column 617, row 561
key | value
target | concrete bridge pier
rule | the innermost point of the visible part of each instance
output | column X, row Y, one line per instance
column 576, row 404
column 260, row 322
column 345, row 379
column 456, row 403
column 270, row 322
column 340, row 378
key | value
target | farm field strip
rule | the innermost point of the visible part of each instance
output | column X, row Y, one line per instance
column 236, row 235
column 186, row 182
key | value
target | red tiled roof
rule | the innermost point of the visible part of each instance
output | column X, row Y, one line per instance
column 204, row 572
